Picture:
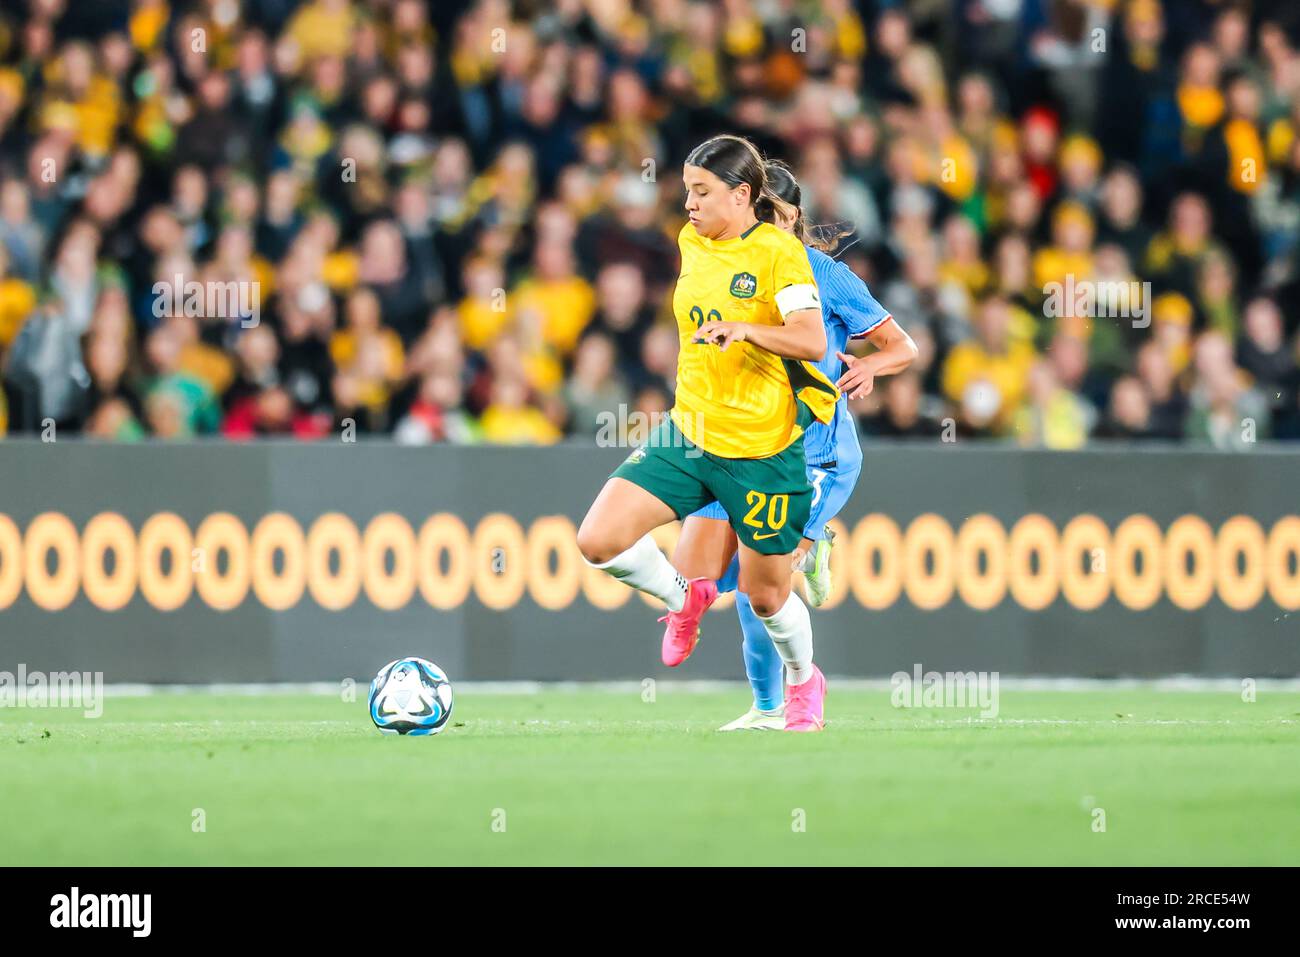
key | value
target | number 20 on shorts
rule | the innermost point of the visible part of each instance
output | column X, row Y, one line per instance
column 778, row 508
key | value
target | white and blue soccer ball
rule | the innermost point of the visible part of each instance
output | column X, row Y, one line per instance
column 410, row 696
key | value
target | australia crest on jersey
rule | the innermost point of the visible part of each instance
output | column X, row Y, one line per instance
column 744, row 285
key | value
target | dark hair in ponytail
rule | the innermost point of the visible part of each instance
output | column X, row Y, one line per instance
column 734, row 160
column 773, row 189
column 783, row 195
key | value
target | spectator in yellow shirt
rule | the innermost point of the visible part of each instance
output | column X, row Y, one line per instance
column 1171, row 316
column 1053, row 417
column 81, row 101
column 323, row 28
column 1071, row 249
column 510, row 420
column 368, row 350
column 565, row 300
column 485, row 311
column 986, row 376
column 962, row 262
column 1199, row 98
column 17, row 301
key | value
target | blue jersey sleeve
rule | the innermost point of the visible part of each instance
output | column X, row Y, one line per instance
column 852, row 301
column 846, row 299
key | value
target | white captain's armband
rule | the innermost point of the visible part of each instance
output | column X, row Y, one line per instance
column 798, row 296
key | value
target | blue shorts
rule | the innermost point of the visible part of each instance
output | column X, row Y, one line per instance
column 831, row 489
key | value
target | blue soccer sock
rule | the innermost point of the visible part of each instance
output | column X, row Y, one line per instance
column 763, row 665
column 731, row 577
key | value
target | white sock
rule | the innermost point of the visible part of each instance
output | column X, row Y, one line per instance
column 791, row 631
column 643, row 566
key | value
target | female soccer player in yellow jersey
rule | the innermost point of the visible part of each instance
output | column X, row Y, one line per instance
column 707, row 545
column 750, row 326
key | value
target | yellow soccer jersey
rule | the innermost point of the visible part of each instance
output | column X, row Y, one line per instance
column 741, row 403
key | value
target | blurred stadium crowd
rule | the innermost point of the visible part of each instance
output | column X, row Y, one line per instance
column 460, row 217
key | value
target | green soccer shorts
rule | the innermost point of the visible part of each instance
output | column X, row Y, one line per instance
column 767, row 500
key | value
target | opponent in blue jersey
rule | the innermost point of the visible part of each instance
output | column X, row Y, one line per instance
column 834, row 458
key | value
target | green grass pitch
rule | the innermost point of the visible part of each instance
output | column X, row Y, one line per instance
column 599, row 777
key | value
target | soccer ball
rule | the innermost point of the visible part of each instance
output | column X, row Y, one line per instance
column 410, row 696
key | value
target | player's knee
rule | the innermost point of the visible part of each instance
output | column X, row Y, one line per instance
column 596, row 544
column 767, row 600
